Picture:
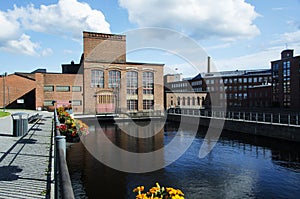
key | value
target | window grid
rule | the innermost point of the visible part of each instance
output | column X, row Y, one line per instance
column 148, row 104
column 114, row 79
column 97, row 79
column 148, row 82
column 132, row 82
column 132, row 104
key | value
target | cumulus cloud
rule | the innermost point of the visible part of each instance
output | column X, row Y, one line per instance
column 9, row 28
column 228, row 19
column 67, row 18
column 287, row 38
column 22, row 45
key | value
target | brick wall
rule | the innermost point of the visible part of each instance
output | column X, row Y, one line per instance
column 104, row 47
column 16, row 86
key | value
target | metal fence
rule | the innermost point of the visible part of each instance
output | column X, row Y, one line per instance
column 272, row 118
column 63, row 186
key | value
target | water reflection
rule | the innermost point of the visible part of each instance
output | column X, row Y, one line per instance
column 240, row 166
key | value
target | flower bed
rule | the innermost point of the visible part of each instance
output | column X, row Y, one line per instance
column 70, row 127
column 158, row 192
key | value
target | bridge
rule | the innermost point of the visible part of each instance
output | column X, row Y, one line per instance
column 275, row 125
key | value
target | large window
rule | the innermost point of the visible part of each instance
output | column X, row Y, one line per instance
column 148, row 104
column 286, row 84
column 132, row 83
column 114, row 79
column 62, row 88
column 97, row 79
column 76, row 103
column 48, row 88
column 48, row 102
column 76, row 88
column 132, row 105
column 148, row 82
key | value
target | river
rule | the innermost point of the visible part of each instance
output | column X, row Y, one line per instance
column 239, row 165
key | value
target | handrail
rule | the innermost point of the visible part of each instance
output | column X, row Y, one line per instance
column 66, row 190
column 63, row 186
column 259, row 117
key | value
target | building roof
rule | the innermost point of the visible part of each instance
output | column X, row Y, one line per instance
column 235, row 73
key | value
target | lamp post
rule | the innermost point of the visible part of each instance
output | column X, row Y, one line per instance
column 4, row 100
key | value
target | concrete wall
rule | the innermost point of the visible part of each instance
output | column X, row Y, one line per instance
column 285, row 132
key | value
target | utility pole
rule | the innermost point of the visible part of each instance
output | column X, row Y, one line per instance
column 4, row 100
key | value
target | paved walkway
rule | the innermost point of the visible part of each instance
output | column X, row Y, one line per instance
column 25, row 161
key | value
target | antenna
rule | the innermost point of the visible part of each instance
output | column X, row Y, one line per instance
column 286, row 46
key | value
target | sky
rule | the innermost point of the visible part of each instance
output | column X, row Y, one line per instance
column 236, row 34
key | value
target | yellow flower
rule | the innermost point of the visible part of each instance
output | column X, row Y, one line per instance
column 177, row 197
column 139, row 189
column 141, row 196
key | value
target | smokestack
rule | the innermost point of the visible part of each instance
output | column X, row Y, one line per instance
column 208, row 64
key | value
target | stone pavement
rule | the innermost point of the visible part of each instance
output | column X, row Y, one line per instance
column 25, row 162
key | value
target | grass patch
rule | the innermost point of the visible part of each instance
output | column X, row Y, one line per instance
column 4, row 114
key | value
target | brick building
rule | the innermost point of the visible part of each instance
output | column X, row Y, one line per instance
column 226, row 88
column 38, row 89
column 111, row 84
column 286, row 81
column 103, row 82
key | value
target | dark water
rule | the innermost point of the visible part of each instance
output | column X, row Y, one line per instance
column 239, row 166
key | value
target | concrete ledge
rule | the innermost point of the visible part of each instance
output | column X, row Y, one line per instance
column 274, row 130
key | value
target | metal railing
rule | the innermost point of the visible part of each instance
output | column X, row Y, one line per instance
column 63, row 187
column 272, row 118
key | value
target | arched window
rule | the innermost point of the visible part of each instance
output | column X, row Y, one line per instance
column 132, row 82
column 97, row 78
column 183, row 101
column 178, row 101
column 198, row 101
column 193, row 101
column 148, row 83
column 114, row 79
column 188, row 101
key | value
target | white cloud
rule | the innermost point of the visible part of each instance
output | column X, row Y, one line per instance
column 229, row 19
column 9, row 28
column 67, row 18
column 288, row 38
column 47, row 52
column 22, row 45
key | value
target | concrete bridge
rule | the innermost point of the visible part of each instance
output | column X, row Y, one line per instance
column 273, row 125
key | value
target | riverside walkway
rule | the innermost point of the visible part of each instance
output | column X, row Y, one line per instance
column 25, row 162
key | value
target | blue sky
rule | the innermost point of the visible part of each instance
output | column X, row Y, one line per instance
column 236, row 34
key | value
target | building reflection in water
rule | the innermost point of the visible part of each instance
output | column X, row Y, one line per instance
column 119, row 146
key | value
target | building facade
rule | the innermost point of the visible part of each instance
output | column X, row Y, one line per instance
column 286, row 81
column 227, row 88
column 37, row 90
column 113, row 85
column 102, row 83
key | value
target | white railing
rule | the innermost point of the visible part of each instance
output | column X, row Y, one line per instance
column 272, row 118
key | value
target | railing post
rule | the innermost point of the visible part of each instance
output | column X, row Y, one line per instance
column 289, row 119
column 256, row 116
column 264, row 117
column 279, row 118
column 250, row 116
column 297, row 118
column 60, row 142
column 271, row 118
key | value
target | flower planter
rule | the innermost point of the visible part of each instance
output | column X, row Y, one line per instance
column 70, row 127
